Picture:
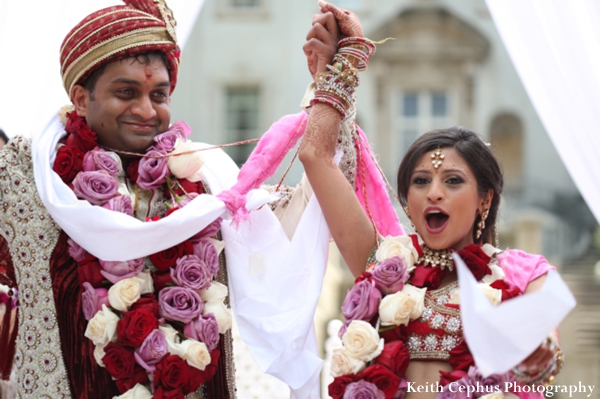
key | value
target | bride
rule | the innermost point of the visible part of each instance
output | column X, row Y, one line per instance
column 449, row 183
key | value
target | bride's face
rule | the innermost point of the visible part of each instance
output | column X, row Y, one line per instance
column 444, row 202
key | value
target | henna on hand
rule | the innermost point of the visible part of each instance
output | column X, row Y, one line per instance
column 348, row 22
column 322, row 131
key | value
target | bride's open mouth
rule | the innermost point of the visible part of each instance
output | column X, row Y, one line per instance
column 436, row 220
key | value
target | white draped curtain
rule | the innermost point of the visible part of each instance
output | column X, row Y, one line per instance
column 31, row 33
column 555, row 47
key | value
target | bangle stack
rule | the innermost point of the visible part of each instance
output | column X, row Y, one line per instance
column 547, row 375
column 336, row 86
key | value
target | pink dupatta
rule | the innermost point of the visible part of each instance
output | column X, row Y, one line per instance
column 270, row 151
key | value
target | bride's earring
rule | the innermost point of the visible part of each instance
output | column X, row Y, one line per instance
column 407, row 212
column 481, row 224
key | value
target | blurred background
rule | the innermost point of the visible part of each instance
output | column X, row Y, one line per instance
column 243, row 68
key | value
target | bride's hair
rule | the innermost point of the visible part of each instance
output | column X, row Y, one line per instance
column 474, row 151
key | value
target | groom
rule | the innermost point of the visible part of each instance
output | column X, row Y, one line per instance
column 119, row 66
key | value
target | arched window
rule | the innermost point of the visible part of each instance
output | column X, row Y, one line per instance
column 506, row 136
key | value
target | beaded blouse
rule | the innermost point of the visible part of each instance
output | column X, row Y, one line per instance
column 439, row 329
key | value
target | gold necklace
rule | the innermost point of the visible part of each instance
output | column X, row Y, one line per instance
column 434, row 257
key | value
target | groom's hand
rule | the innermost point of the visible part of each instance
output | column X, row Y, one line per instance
column 321, row 43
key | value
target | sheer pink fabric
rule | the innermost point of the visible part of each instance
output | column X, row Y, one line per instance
column 520, row 269
column 281, row 137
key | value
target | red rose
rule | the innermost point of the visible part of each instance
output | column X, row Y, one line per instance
column 68, row 163
column 476, row 260
column 139, row 377
column 147, row 302
column 118, row 361
column 426, row 276
column 449, row 377
column 171, row 373
column 415, row 242
column 386, row 381
column 132, row 171
column 89, row 270
column 161, row 393
column 81, row 136
column 198, row 377
column 166, row 259
column 185, row 186
column 338, row 387
column 507, row 291
column 171, row 210
column 390, row 334
column 460, row 357
column 395, row 357
column 134, row 327
column 364, row 276
column 162, row 280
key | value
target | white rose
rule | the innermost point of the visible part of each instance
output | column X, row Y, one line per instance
column 222, row 314
column 172, row 337
column 219, row 245
column 185, row 166
column 454, row 298
column 102, row 328
column 400, row 245
column 343, row 363
column 148, row 287
column 494, row 295
column 497, row 274
column 399, row 308
column 362, row 341
column 137, row 392
column 125, row 293
column 216, row 292
column 99, row 354
column 195, row 353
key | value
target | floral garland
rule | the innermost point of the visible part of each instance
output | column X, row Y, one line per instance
column 155, row 321
column 388, row 296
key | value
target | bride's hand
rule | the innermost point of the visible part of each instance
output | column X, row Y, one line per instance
column 539, row 359
column 348, row 21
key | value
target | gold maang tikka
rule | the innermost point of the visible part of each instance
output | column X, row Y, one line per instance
column 437, row 158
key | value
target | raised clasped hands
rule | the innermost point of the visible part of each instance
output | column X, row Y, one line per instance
column 327, row 29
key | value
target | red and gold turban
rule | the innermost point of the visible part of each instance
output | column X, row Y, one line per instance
column 119, row 32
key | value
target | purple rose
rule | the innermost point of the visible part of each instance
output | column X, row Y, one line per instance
column 204, row 329
column 117, row 271
column 96, row 187
column 363, row 390
column 343, row 328
column 152, row 350
column 165, row 142
column 191, row 272
column 180, row 304
column 209, row 231
column 76, row 251
column 152, row 171
column 485, row 385
column 390, row 275
column 98, row 159
column 120, row 203
column 402, row 389
column 207, row 252
column 362, row 301
column 93, row 299
column 448, row 394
